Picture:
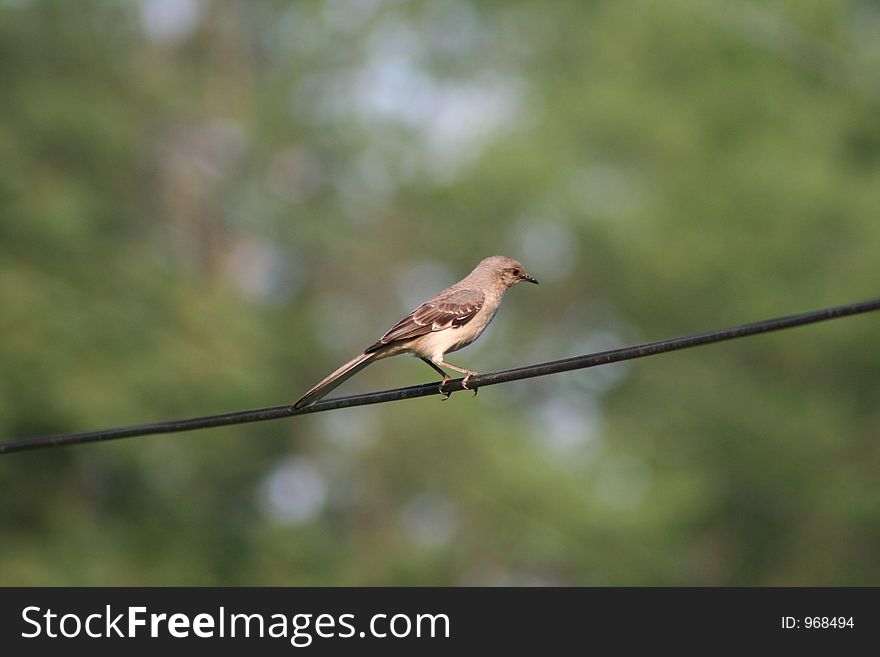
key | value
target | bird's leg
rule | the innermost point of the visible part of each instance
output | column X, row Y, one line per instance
column 435, row 367
column 446, row 377
column 467, row 374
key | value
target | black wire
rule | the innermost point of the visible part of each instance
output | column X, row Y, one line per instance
column 481, row 381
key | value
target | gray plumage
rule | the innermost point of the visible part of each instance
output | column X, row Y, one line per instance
column 449, row 321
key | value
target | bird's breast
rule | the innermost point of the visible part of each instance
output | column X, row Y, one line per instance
column 472, row 330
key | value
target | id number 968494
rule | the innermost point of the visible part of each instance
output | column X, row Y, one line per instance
column 818, row 622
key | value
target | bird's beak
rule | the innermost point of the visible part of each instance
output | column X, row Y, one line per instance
column 528, row 278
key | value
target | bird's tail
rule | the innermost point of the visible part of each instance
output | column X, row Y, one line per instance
column 336, row 378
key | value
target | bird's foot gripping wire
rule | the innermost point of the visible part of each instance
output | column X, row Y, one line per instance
column 464, row 384
column 445, row 393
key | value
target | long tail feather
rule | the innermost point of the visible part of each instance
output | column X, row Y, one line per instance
column 335, row 379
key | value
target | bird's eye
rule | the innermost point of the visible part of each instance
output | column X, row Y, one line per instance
column 516, row 272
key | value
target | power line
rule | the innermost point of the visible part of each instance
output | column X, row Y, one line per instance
column 481, row 381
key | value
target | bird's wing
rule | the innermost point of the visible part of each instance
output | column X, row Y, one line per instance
column 449, row 309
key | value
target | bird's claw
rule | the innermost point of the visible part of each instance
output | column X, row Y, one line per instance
column 446, row 393
column 464, row 382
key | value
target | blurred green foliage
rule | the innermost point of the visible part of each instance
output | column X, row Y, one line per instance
column 206, row 206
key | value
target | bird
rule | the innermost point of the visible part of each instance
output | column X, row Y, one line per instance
column 446, row 322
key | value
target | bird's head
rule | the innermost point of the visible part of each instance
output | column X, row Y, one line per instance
column 506, row 270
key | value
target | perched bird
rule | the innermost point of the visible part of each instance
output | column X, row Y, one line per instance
column 446, row 322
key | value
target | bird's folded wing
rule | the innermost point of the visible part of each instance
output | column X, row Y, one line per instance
column 449, row 309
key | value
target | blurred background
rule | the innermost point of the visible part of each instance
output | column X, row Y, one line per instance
column 208, row 206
